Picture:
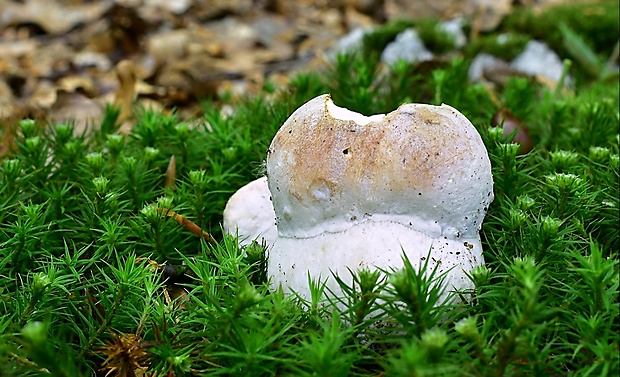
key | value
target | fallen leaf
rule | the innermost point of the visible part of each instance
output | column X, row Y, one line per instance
column 52, row 16
column 511, row 123
column 486, row 15
column 77, row 109
column 83, row 84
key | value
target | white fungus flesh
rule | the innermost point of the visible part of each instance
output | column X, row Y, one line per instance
column 249, row 214
column 352, row 192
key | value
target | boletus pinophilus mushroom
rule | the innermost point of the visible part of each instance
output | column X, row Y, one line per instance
column 351, row 192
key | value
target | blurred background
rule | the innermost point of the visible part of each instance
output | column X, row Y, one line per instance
column 66, row 59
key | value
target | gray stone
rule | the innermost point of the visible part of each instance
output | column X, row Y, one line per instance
column 481, row 62
column 408, row 47
column 539, row 60
column 350, row 43
column 454, row 27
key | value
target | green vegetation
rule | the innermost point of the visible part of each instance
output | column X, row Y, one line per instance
column 595, row 21
column 435, row 39
column 504, row 46
column 96, row 275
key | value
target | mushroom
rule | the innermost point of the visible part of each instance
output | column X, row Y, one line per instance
column 250, row 215
column 351, row 192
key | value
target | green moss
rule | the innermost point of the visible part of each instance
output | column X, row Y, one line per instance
column 504, row 46
column 91, row 256
column 596, row 21
column 378, row 38
column 435, row 39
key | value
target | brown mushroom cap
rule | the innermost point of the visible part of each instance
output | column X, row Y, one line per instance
column 352, row 192
column 420, row 161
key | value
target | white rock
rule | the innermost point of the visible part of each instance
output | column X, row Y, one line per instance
column 350, row 43
column 408, row 47
column 537, row 59
column 175, row 6
column 353, row 192
column 481, row 62
column 454, row 27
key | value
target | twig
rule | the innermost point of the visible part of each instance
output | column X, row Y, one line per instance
column 187, row 224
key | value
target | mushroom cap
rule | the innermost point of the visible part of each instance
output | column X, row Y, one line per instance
column 250, row 215
column 421, row 163
column 351, row 191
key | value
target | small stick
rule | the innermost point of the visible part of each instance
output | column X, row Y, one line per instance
column 187, row 224
column 171, row 173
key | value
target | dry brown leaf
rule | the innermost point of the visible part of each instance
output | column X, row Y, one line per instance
column 83, row 84
column 197, row 76
column 17, row 48
column 49, row 60
column 168, row 45
column 486, row 15
column 396, row 9
column 44, row 95
column 511, row 123
column 52, row 16
column 145, row 67
column 355, row 19
column 6, row 94
column 91, row 59
column 76, row 108
column 209, row 9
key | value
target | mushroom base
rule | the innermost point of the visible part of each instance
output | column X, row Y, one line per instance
column 370, row 244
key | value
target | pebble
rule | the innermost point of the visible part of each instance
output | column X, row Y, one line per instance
column 454, row 27
column 481, row 62
column 92, row 59
column 537, row 59
column 350, row 43
column 408, row 47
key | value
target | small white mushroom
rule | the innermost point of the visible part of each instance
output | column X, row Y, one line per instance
column 250, row 215
column 351, row 191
